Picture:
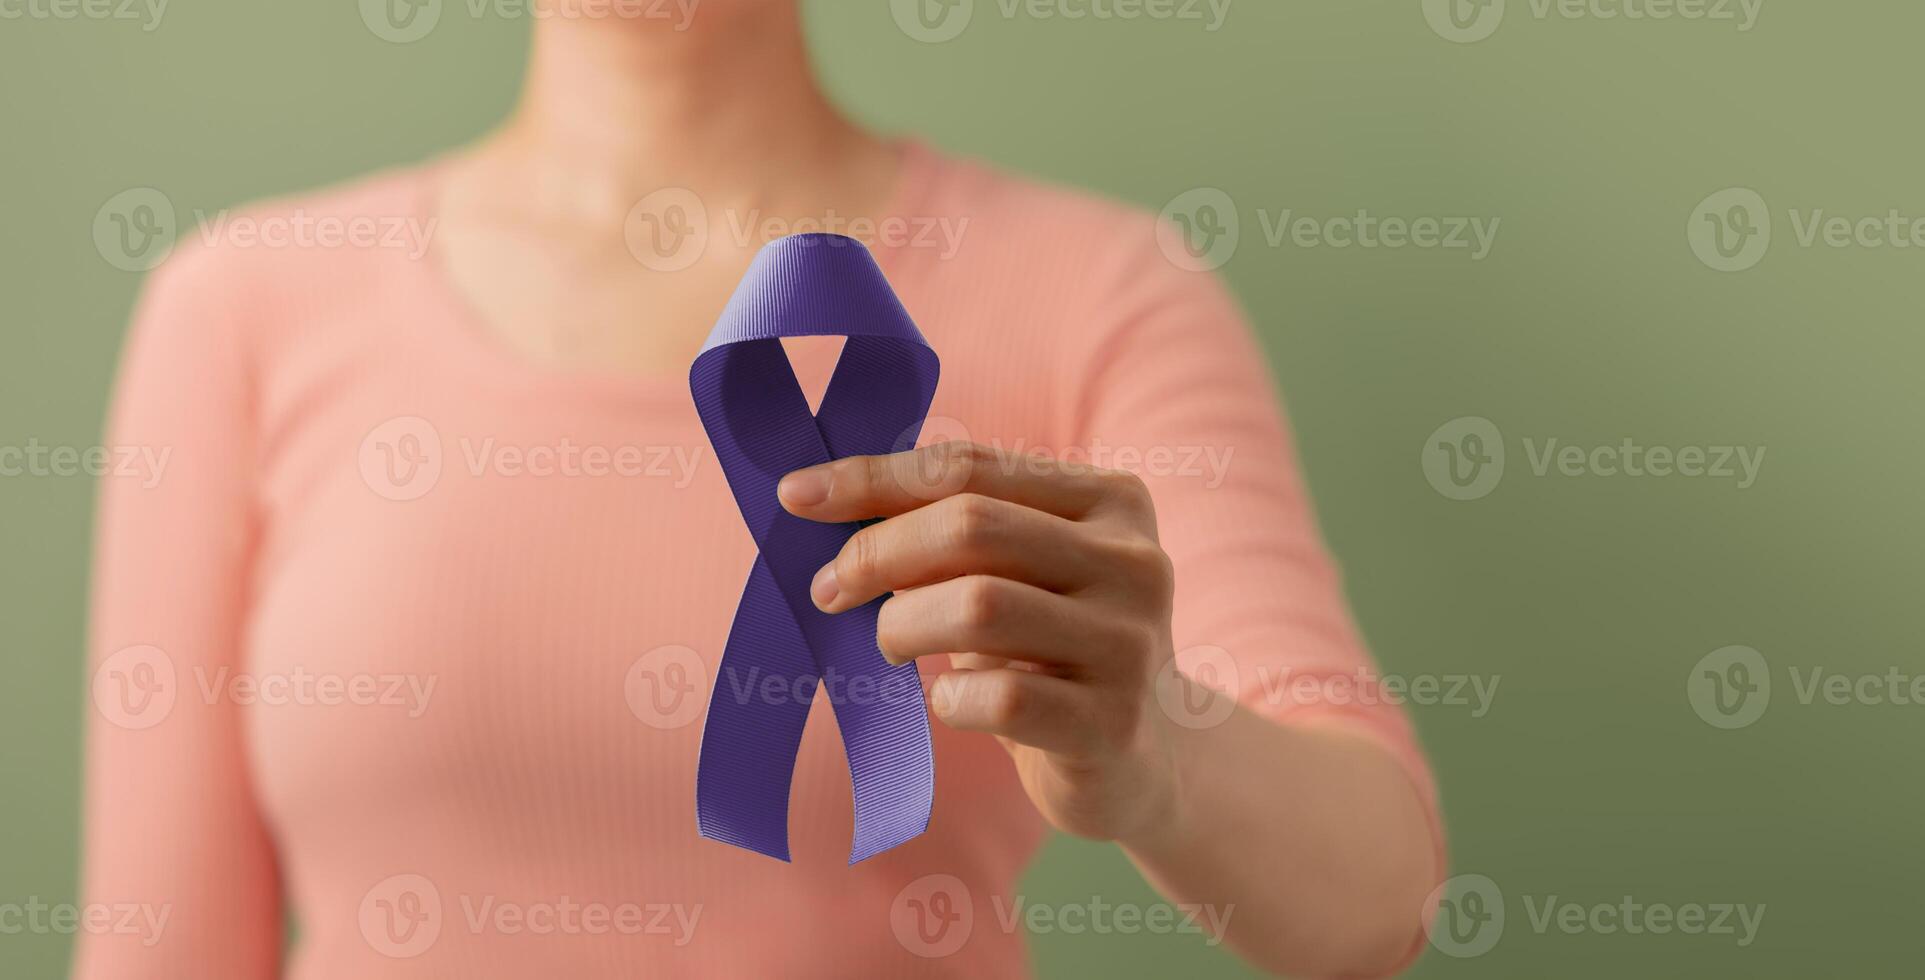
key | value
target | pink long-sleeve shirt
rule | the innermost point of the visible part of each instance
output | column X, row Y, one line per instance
column 410, row 639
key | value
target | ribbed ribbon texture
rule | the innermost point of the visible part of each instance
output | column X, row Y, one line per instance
column 780, row 647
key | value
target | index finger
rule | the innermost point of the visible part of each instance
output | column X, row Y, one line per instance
column 858, row 488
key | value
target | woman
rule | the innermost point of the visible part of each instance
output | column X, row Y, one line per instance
column 429, row 659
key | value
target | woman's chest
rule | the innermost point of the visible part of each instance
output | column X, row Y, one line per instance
column 495, row 611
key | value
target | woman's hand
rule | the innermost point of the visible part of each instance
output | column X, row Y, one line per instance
column 1045, row 581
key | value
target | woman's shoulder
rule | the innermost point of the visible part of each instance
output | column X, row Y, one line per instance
column 1026, row 212
column 254, row 273
column 286, row 240
column 1083, row 247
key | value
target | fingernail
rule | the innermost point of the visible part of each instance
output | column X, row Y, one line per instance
column 824, row 589
column 804, row 488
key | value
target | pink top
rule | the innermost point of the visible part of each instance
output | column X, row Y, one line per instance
column 419, row 634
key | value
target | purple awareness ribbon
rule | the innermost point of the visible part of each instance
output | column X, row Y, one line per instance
column 780, row 646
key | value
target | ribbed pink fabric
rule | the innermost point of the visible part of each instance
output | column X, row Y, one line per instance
column 531, row 815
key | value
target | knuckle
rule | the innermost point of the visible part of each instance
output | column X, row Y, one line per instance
column 870, row 473
column 967, row 454
column 979, row 603
column 1163, row 574
column 861, row 560
column 935, row 470
column 971, row 519
column 1129, row 489
column 1147, row 562
column 1125, row 483
column 1009, row 702
column 957, row 463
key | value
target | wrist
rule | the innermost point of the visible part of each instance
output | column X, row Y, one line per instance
column 1170, row 799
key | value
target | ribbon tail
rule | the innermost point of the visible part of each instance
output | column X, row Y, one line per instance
column 885, row 733
column 757, row 711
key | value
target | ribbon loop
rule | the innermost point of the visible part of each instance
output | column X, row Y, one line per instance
column 780, row 647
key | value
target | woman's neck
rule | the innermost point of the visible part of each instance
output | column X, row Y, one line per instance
column 547, row 231
column 624, row 108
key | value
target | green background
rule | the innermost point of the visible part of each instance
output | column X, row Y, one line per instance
column 1591, row 777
